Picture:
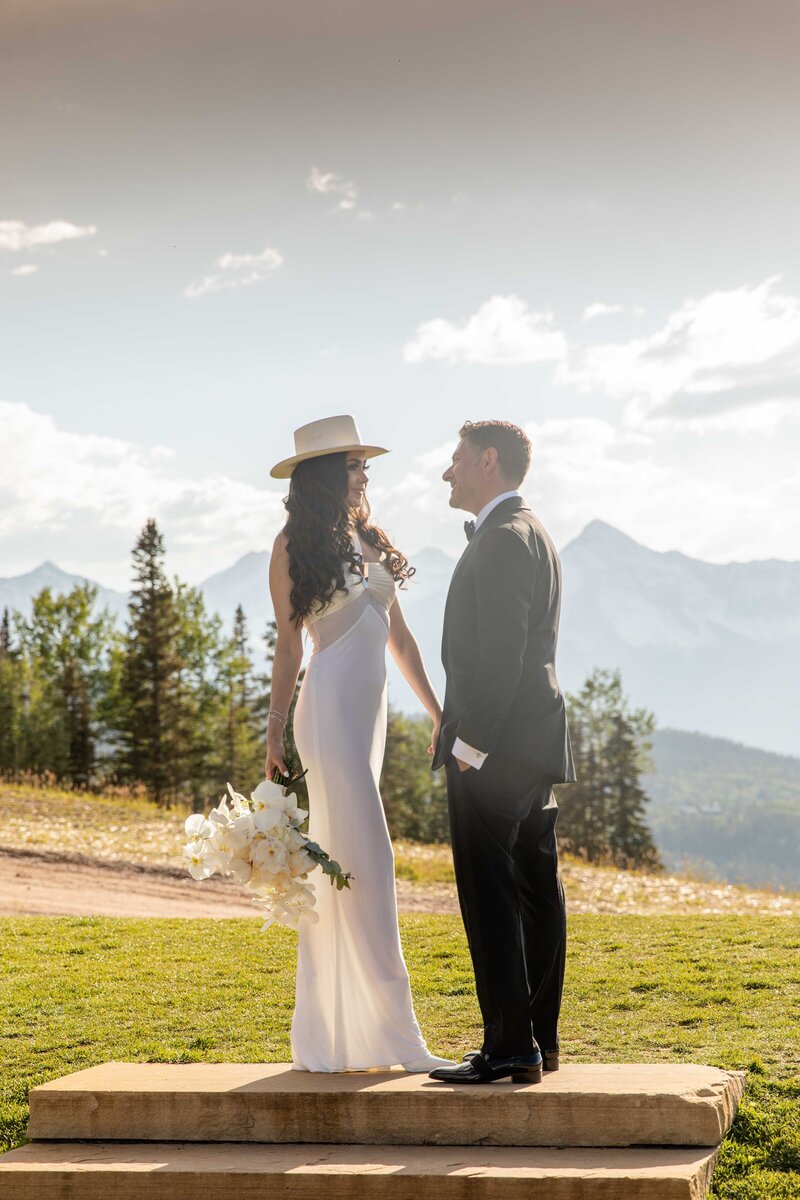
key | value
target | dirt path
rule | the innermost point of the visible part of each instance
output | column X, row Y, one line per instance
column 42, row 883
column 36, row 882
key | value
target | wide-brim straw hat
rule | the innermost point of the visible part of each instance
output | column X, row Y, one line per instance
column 331, row 435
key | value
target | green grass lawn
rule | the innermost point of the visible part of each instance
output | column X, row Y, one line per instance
column 721, row 990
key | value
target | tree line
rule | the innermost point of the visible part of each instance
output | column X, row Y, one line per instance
column 174, row 706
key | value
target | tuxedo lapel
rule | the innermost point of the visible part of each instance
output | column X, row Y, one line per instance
column 495, row 517
column 499, row 514
column 466, row 552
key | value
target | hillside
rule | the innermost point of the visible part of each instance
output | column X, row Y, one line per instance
column 709, row 647
column 68, row 853
column 725, row 810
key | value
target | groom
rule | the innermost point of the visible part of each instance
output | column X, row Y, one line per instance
column 504, row 742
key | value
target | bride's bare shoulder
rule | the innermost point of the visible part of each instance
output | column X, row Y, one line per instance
column 279, row 561
column 280, row 546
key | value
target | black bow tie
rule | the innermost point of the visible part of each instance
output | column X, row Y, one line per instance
column 469, row 529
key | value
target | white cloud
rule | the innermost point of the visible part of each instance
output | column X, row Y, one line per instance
column 235, row 271
column 437, row 458
column 329, row 184
column 592, row 311
column 504, row 331
column 16, row 235
column 26, row 269
column 727, row 350
column 710, row 495
column 87, row 496
column 719, row 492
column 399, row 206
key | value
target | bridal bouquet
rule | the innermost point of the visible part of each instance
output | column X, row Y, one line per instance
column 258, row 843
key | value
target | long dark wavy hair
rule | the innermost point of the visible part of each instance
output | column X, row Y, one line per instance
column 318, row 543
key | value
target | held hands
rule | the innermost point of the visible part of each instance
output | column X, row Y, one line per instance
column 435, row 731
column 437, row 725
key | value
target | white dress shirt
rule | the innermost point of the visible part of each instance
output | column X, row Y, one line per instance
column 462, row 750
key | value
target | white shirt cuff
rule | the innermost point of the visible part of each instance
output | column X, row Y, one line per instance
column 468, row 754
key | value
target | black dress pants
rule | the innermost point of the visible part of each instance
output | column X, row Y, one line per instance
column 502, row 822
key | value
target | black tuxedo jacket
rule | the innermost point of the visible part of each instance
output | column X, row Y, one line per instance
column 499, row 646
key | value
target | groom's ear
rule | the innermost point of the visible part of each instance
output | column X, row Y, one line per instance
column 491, row 459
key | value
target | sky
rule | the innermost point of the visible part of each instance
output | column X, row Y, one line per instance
column 221, row 220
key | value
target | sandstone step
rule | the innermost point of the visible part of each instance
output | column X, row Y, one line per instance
column 580, row 1105
column 130, row 1171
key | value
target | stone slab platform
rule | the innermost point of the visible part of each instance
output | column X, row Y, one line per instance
column 580, row 1105
column 58, row 1171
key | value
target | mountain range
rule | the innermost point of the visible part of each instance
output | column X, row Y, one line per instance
column 725, row 811
column 706, row 647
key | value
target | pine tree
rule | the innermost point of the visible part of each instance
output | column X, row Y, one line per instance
column 200, row 717
column 414, row 798
column 152, row 708
column 575, row 822
column 630, row 840
column 11, row 699
column 5, row 636
column 584, row 815
column 243, row 733
column 65, row 647
column 603, row 814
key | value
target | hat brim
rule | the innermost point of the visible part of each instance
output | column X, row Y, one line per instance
column 284, row 469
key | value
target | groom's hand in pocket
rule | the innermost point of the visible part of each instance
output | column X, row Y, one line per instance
column 462, row 766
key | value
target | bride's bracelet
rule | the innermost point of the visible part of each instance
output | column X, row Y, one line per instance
column 274, row 714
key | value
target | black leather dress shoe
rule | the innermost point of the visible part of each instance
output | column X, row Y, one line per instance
column 550, row 1058
column 522, row 1068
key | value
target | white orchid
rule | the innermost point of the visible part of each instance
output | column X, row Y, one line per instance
column 268, row 795
column 243, row 827
column 221, row 815
column 302, row 896
column 259, row 844
column 238, row 802
column 231, row 854
column 199, row 866
column 241, row 870
column 300, row 863
column 300, row 903
column 267, row 885
column 289, row 911
column 267, row 820
column 269, row 856
column 197, row 827
column 294, row 840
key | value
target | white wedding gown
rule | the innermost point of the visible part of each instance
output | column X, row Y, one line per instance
column 353, row 1006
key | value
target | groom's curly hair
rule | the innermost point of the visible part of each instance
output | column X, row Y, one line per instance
column 512, row 444
column 318, row 544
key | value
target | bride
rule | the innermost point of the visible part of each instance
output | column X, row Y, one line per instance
column 334, row 573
